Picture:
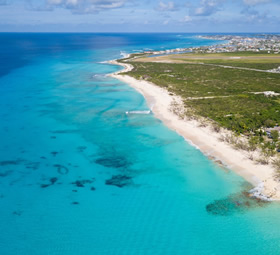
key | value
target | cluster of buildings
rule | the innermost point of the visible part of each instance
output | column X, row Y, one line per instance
column 268, row 43
column 232, row 43
column 172, row 51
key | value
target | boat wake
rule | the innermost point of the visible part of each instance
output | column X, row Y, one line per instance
column 138, row 112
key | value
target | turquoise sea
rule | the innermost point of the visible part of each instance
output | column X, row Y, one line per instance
column 79, row 177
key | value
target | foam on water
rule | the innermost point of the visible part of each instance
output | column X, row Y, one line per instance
column 139, row 112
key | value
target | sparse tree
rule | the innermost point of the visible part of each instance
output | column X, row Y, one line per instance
column 275, row 135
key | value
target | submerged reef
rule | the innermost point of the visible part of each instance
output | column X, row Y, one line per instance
column 119, row 180
column 54, row 153
column 52, row 181
column 81, row 183
column 236, row 203
column 113, row 161
column 11, row 162
column 6, row 173
column 81, row 148
column 66, row 131
column 61, row 169
column 32, row 165
column 17, row 213
column 7, row 168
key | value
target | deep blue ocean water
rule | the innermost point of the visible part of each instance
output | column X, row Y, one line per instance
column 79, row 176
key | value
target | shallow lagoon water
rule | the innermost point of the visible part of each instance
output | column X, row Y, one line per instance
column 79, row 176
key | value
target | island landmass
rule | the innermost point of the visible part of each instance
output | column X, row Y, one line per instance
column 224, row 99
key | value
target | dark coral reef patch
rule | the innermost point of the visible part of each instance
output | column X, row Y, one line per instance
column 81, row 148
column 61, row 169
column 52, row 181
column 236, row 203
column 32, row 165
column 11, row 162
column 113, row 161
column 119, row 180
column 82, row 183
column 5, row 173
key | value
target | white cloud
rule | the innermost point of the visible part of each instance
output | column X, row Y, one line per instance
column 170, row 6
column 208, row 7
column 255, row 2
column 85, row 6
column 187, row 19
column 165, row 22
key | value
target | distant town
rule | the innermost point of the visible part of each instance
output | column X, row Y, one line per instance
column 267, row 43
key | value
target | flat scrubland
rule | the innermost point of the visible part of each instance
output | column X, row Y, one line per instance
column 255, row 60
column 226, row 95
column 225, row 88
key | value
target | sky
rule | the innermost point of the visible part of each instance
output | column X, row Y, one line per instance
column 140, row 16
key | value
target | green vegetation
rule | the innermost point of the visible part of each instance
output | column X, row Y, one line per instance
column 239, row 113
column 274, row 135
column 227, row 96
column 191, row 80
column 260, row 65
column 221, row 94
column 276, row 164
column 254, row 60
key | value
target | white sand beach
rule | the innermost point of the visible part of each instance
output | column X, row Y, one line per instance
column 261, row 176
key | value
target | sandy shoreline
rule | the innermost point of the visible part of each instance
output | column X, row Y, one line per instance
column 262, row 177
